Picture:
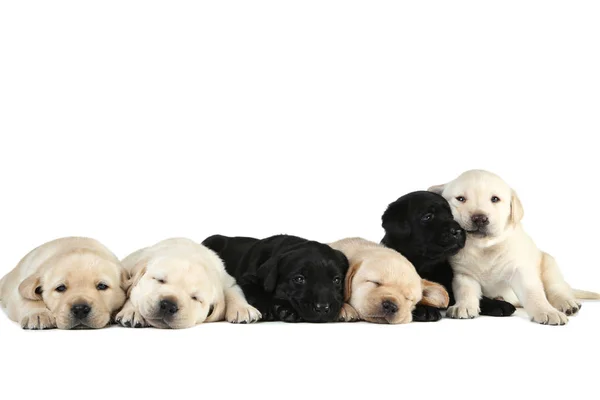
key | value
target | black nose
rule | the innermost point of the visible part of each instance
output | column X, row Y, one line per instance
column 80, row 311
column 168, row 307
column 456, row 232
column 480, row 220
column 389, row 307
column 321, row 308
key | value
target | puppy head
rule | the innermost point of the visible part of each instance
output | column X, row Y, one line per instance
column 81, row 289
column 420, row 225
column 386, row 289
column 310, row 277
column 174, row 293
column 482, row 203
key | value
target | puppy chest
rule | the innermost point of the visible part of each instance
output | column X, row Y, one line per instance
column 487, row 267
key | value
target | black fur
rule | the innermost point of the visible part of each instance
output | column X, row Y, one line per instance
column 428, row 244
column 269, row 273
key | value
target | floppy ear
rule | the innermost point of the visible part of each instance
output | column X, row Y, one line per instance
column 348, row 281
column 136, row 274
column 434, row 294
column 31, row 288
column 439, row 189
column 516, row 209
column 125, row 281
column 398, row 229
column 267, row 273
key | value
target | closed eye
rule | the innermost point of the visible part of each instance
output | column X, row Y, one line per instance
column 375, row 283
column 160, row 280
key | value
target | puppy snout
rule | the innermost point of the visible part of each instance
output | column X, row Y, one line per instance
column 168, row 307
column 322, row 308
column 80, row 311
column 389, row 307
column 480, row 220
column 456, row 232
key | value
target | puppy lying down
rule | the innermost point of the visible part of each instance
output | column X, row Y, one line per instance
column 499, row 259
column 178, row 283
column 66, row 283
column 382, row 286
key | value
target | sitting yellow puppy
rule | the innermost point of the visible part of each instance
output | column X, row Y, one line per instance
column 178, row 283
column 67, row 283
column 382, row 286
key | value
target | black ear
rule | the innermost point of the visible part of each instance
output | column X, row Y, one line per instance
column 267, row 273
column 343, row 260
column 398, row 229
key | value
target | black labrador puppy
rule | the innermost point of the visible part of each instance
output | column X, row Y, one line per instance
column 285, row 277
column 420, row 225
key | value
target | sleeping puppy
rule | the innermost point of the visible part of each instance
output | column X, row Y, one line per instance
column 499, row 258
column 66, row 283
column 286, row 277
column 178, row 283
column 382, row 286
column 420, row 226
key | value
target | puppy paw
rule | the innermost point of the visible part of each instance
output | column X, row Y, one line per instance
column 567, row 306
column 462, row 312
column 423, row 313
column 38, row 320
column 348, row 314
column 285, row 314
column 130, row 318
column 242, row 314
column 550, row 317
column 496, row 307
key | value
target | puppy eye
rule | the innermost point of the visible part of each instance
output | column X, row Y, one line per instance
column 161, row 281
column 101, row 286
column 61, row 288
column 427, row 217
column 337, row 280
column 462, row 199
column 495, row 199
column 375, row 283
column 299, row 279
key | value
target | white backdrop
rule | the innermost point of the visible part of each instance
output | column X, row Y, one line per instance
column 131, row 122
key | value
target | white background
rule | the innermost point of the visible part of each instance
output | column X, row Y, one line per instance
column 131, row 122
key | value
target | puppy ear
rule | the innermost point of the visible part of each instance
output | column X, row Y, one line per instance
column 348, row 281
column 434, row 294
column 136, row 274
column 398, row 229
column 439, row 189
column 31, row 288
column 125, row 281
column 267, row 273
column 516, row 209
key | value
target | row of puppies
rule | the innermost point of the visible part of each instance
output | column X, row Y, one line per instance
column 75, row 283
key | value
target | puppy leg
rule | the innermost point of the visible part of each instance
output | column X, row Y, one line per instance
column 495, row 307
column 348, row 314
column 467, row 292
column 286, row 313
column 529, row 289
column 238, row 309
column 129, row 317
column 424, row 313
column 558, row 292
column 35, row 315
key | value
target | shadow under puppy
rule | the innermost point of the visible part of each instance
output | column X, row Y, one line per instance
column 178, row 283
column 67, row 283
column 420, row 226
column 287, row 278
column 382, row 286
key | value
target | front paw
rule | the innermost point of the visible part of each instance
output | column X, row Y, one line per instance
column 565, row 305
column 462, row 312
column 496, row 308
column 549, row 317
column 285, row 314
column 130, row 317
column 242, row 314
column 424, row 313
column 348, row 314
column 38, row 320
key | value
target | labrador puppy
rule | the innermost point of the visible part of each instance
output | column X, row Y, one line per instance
column 67, row 283
column 420, row 226
column 382, row 286
column 286, row 277
column 178, row 283
column 499, row 258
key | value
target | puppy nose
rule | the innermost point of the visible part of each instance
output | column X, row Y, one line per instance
column 80, row 311
column 168, row 307
column 321, row 307
column 480, row 220
column 456, row 232
column 389, row 307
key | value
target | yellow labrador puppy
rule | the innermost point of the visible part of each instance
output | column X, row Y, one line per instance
column 178, row 283
column 382, row 286
column 499, row 258
column 67, row 283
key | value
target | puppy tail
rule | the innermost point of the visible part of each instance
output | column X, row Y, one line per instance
column 585, row 295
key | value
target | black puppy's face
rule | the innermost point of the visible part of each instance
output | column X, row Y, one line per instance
column 311, row 279
column 424, row 222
